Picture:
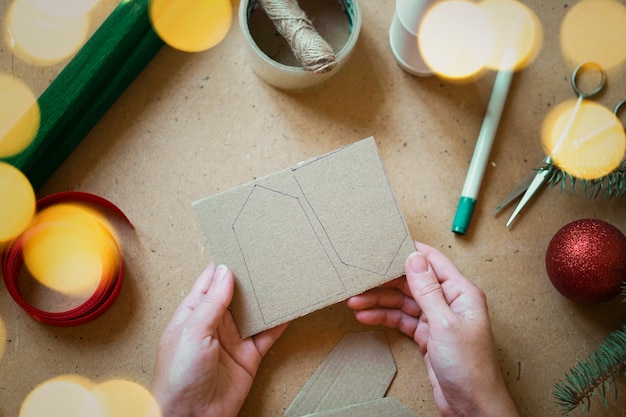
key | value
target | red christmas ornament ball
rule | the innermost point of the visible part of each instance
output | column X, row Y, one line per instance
column 586, row 261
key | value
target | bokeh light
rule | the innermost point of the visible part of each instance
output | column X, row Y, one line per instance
column 594, row 31
column 65, row 8
column 191, row 25
column 18, row 203
column 121, row 398
column 63, row 396
column 584, row 139
column 456, row 39
column 3, row 338
column 36, row 35
column 69, row 248
column 77, row 396
column 516, row 28
column 19, row 116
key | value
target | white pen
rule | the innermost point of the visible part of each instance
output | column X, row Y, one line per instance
column 484, row 143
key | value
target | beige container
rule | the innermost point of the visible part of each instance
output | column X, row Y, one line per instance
column 271, row 58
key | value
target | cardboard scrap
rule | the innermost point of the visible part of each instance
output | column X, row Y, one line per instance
column 307, row 237
column 359, row 369
column 382, row 407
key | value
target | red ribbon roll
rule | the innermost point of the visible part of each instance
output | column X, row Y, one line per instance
column 102, row 298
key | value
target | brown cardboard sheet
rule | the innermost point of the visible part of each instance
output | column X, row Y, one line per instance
column 307, row 237
column 359, row 369
column 382, row 407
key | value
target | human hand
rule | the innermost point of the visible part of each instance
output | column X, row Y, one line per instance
column 447, row 317
column 203, row 367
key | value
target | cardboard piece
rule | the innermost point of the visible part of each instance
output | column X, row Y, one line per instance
column 382, row 407
column 359, row 369
column 307, row 237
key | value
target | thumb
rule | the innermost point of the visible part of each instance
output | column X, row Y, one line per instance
column 425, row 287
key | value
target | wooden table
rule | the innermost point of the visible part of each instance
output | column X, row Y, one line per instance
column 192, row 125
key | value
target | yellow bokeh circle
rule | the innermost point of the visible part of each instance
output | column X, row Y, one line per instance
column 456, row 39
column 77, row 396
column 586, row 140
column 595, row 31
column 63, row 396
column 120, row 398
column 69, row 248
column 44, row 38
column 3, row 337
column 516, row 27
column 19, row 203
column 65, row 8
column 19, row 116
column 191, row 25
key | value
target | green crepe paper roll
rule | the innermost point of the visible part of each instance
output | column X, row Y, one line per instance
column 87, row 87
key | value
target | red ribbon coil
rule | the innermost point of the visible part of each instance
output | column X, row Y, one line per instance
column 102, row 298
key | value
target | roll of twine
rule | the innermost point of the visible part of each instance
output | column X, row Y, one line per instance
column 308, row 46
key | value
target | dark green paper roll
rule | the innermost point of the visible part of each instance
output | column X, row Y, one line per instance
column 87, row 87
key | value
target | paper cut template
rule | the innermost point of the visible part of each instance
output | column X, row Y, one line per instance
column 307, row 237
column 359, row 369
column 382, row 407
column 285, row 223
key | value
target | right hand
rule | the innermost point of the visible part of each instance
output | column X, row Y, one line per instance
column 447, row 317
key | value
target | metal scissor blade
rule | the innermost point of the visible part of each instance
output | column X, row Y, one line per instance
column 517, row 191
column 523, row 186
column 536, row 183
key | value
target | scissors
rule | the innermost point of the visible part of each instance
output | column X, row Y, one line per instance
column 529, row 187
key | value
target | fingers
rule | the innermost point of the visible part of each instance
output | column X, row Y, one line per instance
column 187, row 306
column 211, row 306
column 443, row 267
column 203, row 281
column 388, row 306
column 453, row 283
column 265, row 340
column 395, row 319
column 425, row 286
column 384, row 297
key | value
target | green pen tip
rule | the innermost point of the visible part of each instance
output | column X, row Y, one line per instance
column 463, row 215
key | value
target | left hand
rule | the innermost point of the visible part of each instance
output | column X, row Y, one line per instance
column 203, row 366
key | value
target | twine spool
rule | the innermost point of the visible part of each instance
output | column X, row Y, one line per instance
column 270, row 54
column 308, row 46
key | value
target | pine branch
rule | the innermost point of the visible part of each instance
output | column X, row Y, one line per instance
column 594, row 376
column 612, row 184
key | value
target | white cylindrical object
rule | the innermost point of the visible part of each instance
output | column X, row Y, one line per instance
column 403, row 35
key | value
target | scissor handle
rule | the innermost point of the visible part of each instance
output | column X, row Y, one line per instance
column 588, row 66
column 618, row 108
